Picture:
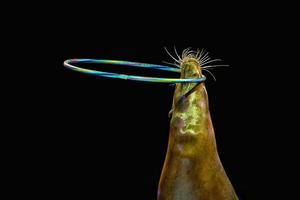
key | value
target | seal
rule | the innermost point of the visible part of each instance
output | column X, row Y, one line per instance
column 192, row 169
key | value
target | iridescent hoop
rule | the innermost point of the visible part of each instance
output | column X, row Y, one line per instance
column 70, row 64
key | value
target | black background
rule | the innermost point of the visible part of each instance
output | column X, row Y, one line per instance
column 120, row 128
column 107, row 138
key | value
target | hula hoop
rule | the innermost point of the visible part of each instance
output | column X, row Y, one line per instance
column 69, row 64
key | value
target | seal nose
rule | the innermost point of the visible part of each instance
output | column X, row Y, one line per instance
column 192, row 70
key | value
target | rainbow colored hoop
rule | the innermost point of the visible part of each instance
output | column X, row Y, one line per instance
column 69, row 64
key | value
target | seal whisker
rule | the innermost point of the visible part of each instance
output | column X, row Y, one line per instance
column 205, row 56
column 171, row 55
column 174, row 64
column 210, row 73
column 209, row 61
column 204, row 60
column 201, row 53
column 180, row 59
column 213, row 66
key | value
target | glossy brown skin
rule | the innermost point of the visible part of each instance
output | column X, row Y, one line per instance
column 192, row 168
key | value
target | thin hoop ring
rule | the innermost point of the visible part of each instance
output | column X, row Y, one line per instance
column 69, row 64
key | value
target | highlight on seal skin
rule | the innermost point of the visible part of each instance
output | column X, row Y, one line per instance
column 192, row 169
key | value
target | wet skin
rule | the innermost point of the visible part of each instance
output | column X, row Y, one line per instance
column 192, row 168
